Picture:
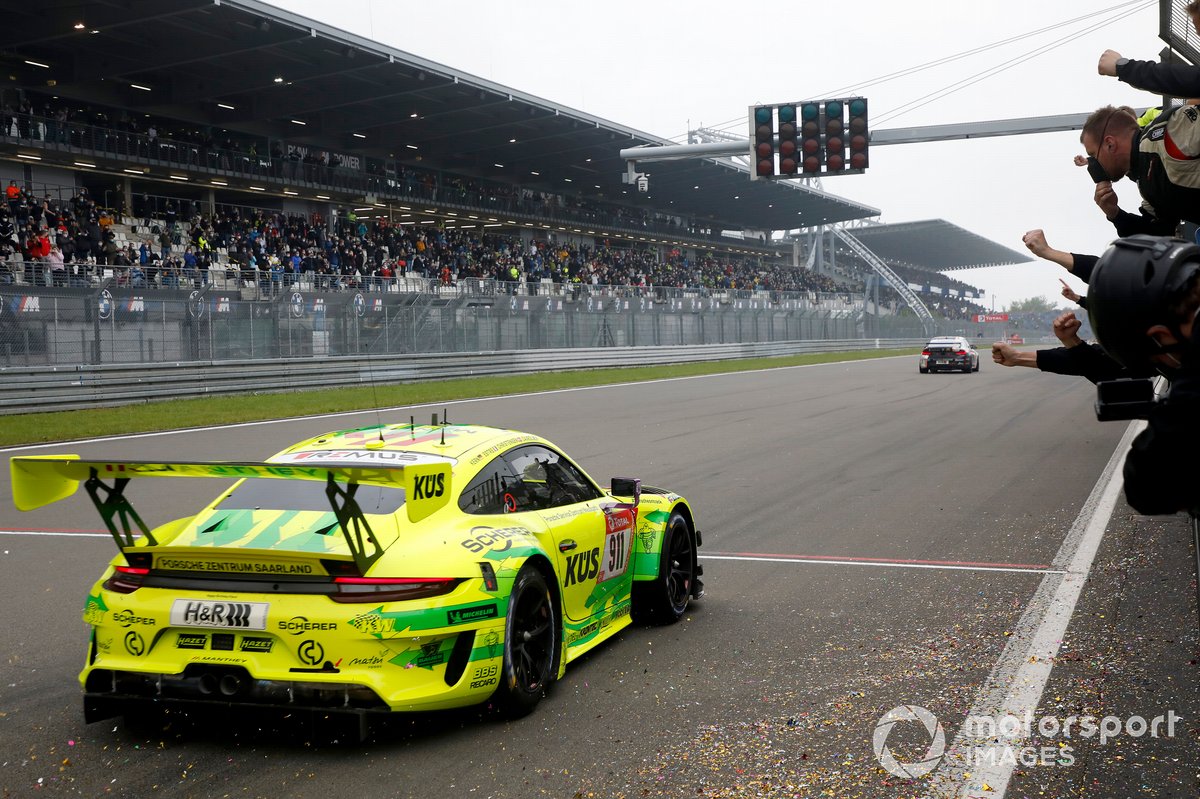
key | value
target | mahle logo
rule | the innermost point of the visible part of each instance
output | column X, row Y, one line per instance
column 933, row 755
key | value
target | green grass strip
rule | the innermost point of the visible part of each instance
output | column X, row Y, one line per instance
column 31, row 428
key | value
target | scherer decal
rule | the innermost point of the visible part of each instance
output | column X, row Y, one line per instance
column 496, row 539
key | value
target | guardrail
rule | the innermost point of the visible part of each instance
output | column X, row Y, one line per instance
column 50, row 388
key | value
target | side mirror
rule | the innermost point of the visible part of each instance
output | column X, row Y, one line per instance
column 627, row 487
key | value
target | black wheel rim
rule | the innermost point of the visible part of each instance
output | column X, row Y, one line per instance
column 531, row 643
column 679, row 564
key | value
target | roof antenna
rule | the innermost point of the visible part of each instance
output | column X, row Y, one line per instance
column 443, row 435
column 445, row 417
column 412, row 427
column 375, row 401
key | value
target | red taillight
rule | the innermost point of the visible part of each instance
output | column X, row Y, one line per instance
column 961, row 352
column 126, row 579
column 925, row 353
column 390, row 589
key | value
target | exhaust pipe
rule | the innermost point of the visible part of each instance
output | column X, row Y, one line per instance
column 208, row 684
column 230, row 685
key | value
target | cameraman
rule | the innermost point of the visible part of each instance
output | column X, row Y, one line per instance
column 1143, row 303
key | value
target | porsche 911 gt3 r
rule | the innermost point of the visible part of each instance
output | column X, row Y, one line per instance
column 372, row 570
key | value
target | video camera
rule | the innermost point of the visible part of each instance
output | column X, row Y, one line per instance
column 1124, row 399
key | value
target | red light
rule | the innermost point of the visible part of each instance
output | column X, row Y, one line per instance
column 924, row 352
column 391, row 589
column 961, row 352
column 126, row 579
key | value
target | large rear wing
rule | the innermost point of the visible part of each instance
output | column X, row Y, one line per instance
column 38, row 481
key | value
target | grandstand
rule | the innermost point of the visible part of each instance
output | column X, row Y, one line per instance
column 265, row 151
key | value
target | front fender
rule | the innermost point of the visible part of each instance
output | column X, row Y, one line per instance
column 654, row 511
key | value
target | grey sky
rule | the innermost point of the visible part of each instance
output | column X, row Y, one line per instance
column 662, row 66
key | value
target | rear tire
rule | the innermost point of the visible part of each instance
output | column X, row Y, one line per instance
column 665, row 599
column 923, row 370
column 530, row 644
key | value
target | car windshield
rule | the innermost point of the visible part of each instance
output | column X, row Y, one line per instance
column 271, row 494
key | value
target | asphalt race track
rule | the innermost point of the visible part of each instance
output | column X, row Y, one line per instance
column 874, row 539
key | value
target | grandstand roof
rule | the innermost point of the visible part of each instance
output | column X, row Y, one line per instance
column 935, row 244
column 247, row 66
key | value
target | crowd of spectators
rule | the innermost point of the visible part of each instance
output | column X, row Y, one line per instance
column 358, row 253
column 48, row 119
column 52, row 243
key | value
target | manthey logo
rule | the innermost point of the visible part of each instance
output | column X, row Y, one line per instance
column 933, row 755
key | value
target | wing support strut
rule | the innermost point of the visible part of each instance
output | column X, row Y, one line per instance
column 353, row 523
column 114, row 504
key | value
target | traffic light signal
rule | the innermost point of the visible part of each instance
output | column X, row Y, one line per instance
column 859, row 135
column 835, row 136
column 787, row 140
column 764, row 142
column 810, row 137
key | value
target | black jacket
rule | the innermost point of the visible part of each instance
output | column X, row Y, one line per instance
column 1084, row 360
column 1160, row 470
column 1170, row 186
column 1175, row 80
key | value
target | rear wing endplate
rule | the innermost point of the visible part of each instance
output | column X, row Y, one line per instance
column 38, row 481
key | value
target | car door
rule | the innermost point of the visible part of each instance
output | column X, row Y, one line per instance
column 572, row 508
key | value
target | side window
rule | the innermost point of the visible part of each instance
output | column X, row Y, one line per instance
column 491, row 491
column 549, row 480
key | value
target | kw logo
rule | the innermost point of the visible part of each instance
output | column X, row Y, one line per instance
column 426, row 486
column 582, row 567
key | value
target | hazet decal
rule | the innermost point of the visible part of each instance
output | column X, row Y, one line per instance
column 257, row 644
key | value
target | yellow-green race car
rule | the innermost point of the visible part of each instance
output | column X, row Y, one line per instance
column 369, row 571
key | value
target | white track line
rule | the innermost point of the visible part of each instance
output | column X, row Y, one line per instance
column 1020, row 675
column 823, row 562
column 53, row 534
